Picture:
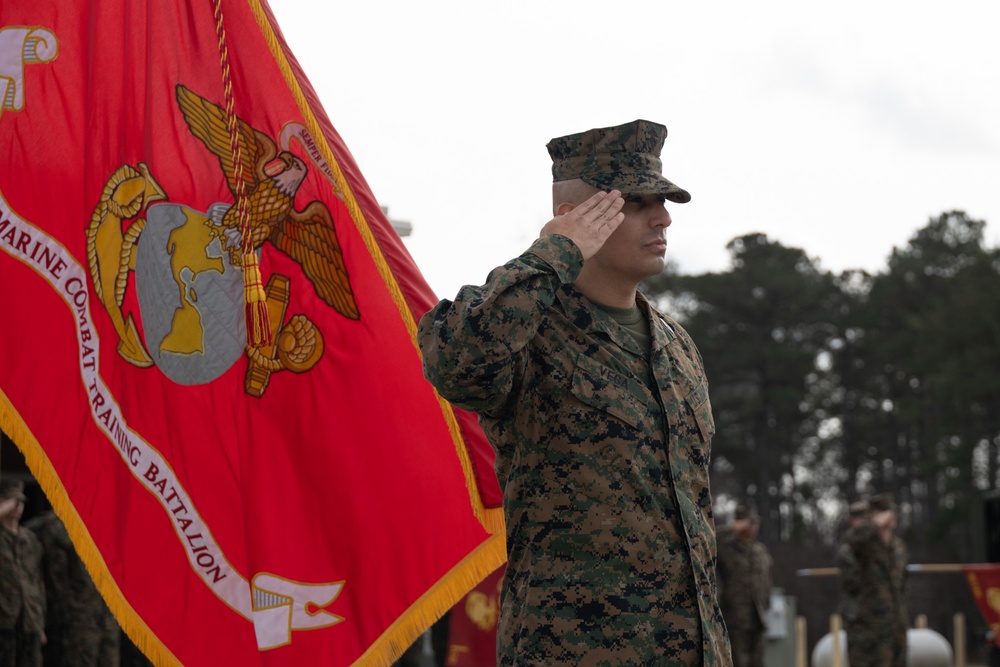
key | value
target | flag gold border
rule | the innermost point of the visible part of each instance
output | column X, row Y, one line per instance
column 435, row 602
column 492, row 553
column 44, row 473
column 491, row 518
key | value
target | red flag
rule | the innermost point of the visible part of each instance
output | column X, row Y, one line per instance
column 472, row 625
column 984, row 582
column 310, row 499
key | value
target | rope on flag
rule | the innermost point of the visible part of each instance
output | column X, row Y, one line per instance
column 254, row 298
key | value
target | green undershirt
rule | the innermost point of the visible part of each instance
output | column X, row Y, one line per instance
column 633, row 321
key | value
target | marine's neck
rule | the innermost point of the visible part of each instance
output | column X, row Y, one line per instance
column 614, row 293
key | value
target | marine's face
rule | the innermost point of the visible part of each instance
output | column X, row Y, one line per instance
column 637, row 249
column 16, row 511
column 891, row 518
column 744, row 528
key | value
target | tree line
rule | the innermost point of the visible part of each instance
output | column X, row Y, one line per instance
column 829, row 387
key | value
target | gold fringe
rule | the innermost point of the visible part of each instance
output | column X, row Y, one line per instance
column 41, row 468
column 387, row 649
column 491, row 518
column 431, row 606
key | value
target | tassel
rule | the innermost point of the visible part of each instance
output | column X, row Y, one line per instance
column 257, row 319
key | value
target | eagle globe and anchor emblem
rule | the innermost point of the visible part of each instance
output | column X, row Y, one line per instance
column 189, row 266
column 190, row 286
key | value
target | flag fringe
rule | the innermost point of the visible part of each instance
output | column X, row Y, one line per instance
column 431, row 606
column 491, row 518
column 435, row 603
column 42, row 470
column 428, row 609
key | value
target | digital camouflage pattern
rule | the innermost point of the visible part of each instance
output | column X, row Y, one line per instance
column 873, row 599
column 610, row 533
column 80, row 629
column 744, row 574
column 22, row 594
column 625, row 157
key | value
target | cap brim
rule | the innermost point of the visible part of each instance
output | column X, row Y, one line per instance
column 639, row 184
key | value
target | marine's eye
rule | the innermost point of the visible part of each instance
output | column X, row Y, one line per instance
column 646, row 200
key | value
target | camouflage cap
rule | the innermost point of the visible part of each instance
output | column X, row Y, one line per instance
column 625, row 157
column 858, row 508
column 12, row 488
column 882, row 502
column 744, row 512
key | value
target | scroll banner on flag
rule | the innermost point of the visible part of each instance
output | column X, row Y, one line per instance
column 308, row 500
column 984, row 582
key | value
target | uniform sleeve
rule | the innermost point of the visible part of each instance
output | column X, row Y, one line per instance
column 851, row 583
column 723, row 560
column 902, row 559
column 473, row 346
column 766, row 582
column 863, row 540
column 57, row 562
column 34, row 589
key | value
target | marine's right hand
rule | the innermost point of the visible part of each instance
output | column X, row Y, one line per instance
column 7, row 506
column 591, row 223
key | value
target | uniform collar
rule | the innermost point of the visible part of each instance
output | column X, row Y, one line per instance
column 593, row 320
column 664, row 330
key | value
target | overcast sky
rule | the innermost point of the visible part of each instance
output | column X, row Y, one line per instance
column 839, row 128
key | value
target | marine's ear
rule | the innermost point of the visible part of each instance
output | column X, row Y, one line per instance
column 564, row 208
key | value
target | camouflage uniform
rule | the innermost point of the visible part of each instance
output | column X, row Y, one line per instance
column 22, row 597
column 80, row 628
column 873, row 601
column 603, row 455
column 744, row 571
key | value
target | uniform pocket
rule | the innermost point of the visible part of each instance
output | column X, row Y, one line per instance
column 605, row 389
column 701, row 407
